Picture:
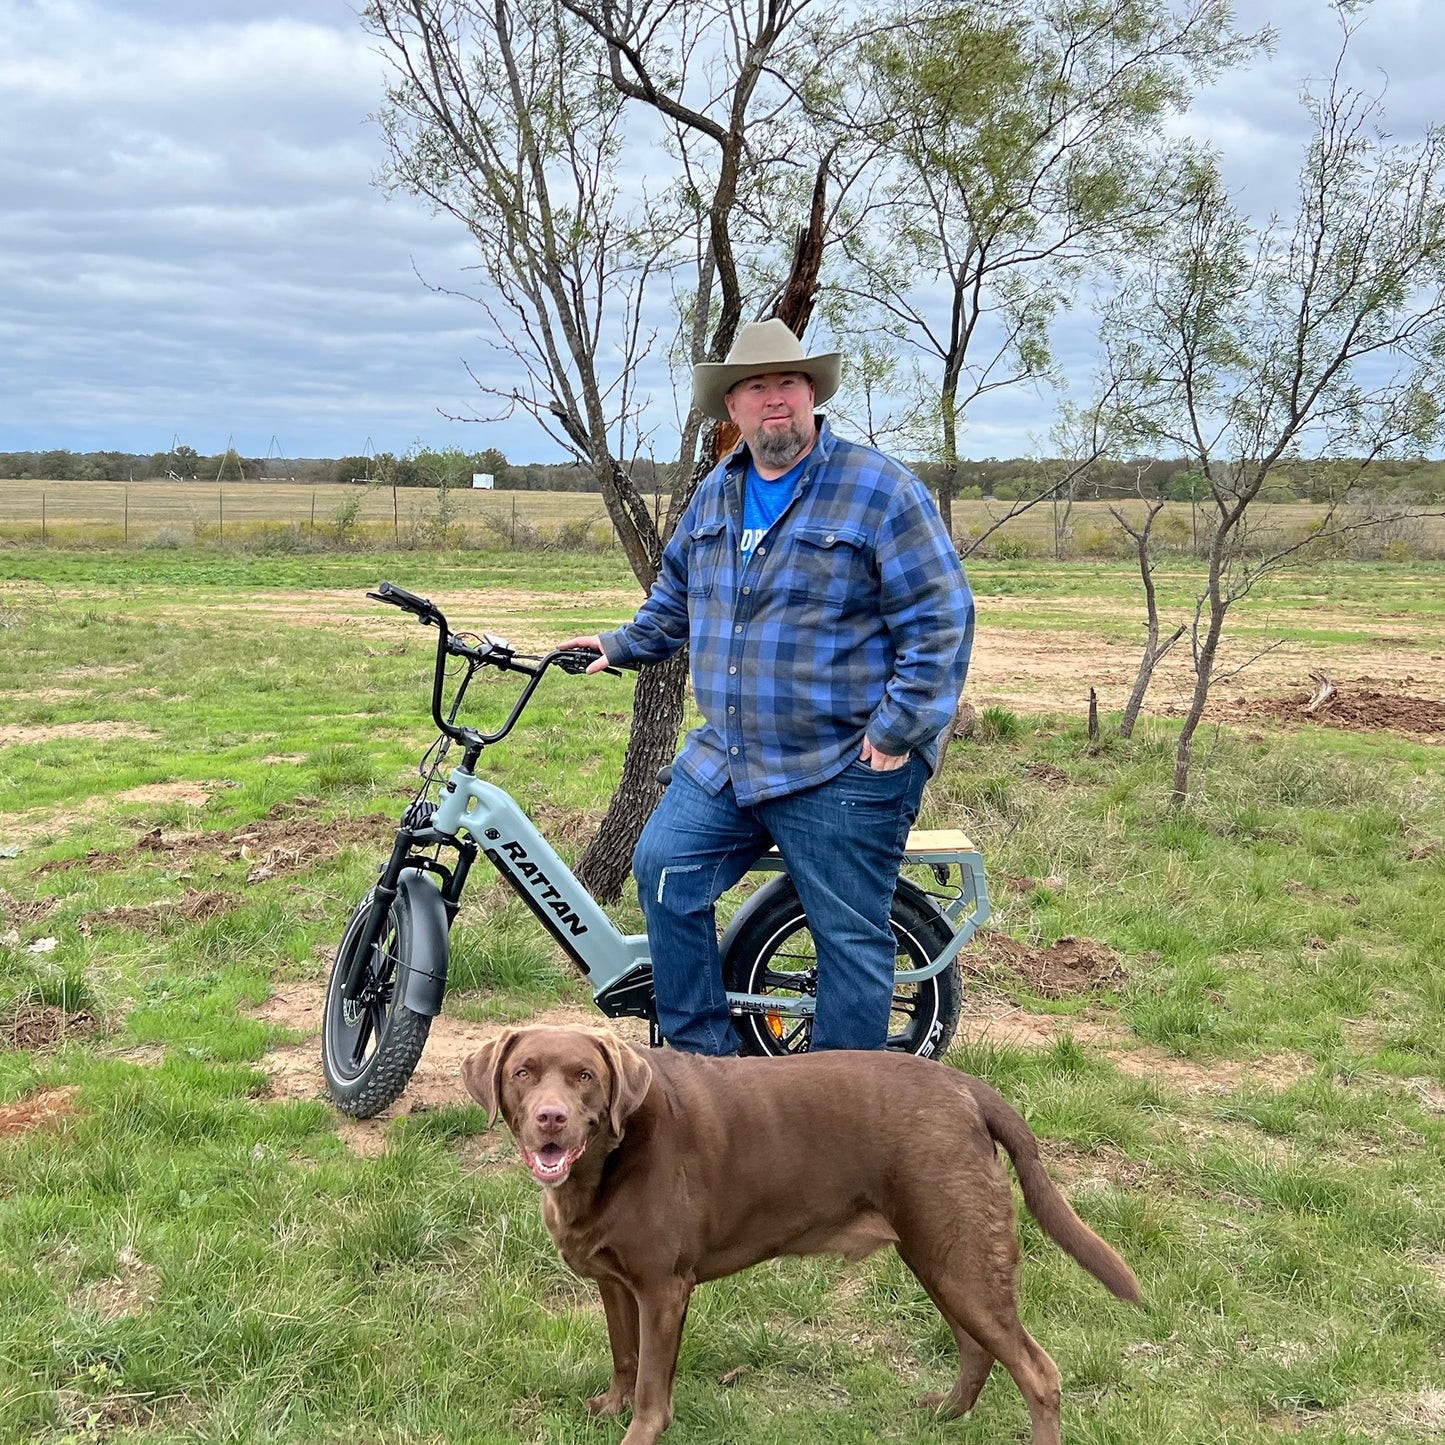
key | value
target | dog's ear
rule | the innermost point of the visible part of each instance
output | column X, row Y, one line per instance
column 631, row 1079
column 482, row 1073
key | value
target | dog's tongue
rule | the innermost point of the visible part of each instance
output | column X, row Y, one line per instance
column 551, row 1164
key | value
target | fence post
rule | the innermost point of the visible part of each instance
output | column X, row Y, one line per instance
column 221, row 513
column 42, row 517
column 125, row 524
column 514, row 521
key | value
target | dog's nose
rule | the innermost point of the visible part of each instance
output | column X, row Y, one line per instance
column 552, row 1117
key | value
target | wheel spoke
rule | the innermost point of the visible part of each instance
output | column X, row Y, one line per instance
column 363, row 1037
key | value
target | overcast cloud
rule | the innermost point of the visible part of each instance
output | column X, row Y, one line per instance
column 190, row 243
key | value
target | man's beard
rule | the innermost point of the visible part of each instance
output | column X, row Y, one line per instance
column 778, row 447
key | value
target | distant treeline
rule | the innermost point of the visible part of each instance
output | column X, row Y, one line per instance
column 1005, row 479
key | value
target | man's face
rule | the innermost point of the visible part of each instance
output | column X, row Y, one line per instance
column 774, row 413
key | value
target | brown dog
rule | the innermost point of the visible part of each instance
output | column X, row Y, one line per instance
column 663, row 1170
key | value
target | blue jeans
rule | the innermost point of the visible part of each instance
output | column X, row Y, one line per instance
column 842, row 841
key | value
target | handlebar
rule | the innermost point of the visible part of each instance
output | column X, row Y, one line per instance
column 493, row 652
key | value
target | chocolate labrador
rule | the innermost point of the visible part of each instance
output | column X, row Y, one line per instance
column 662, row 1170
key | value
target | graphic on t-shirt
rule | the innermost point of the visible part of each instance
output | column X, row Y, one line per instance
column 764, row 499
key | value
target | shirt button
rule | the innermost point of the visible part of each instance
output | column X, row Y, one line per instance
column 732, row 670
column 830, row 538
column 746, row 590
column 733, row 751
column 732, row 709
column 738, row 628
column 762, row 551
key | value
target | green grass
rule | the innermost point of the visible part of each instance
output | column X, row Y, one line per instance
column 188, row 1256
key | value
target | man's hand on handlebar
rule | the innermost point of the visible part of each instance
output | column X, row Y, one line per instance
column 588, row 644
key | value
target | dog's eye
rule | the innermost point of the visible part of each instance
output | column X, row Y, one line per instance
column 519, row 1074
column 585, row 1075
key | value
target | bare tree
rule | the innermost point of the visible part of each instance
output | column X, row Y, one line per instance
column 607, row 160
column 1025, row 142
column 1317, row 339
column 1141, row 534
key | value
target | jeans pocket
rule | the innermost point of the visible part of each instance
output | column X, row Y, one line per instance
column 861, row 768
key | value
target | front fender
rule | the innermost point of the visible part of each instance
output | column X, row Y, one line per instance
column 426, row 976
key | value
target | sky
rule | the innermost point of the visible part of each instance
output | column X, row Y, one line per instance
column 192, row 246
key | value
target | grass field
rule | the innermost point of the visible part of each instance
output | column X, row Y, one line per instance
column 1236, row 1066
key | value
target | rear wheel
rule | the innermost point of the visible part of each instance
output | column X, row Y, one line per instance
column 771, row 951
column 370, row 1047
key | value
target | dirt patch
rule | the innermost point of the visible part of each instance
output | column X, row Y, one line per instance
column 1001, row 1022
column 1356, row 708
column 131, row 1290
column 39, row 1111
column 1106, row 1167
column 1219, row 1076
column 42, row 1026
column 295, row 1069
column 37, row 822
column 1431, row 1094
column 1031, row 671
column 49, row 694
column 1065, row 969
column 194, row 795
column 194, row 906
column 72, row 732
column 286, row 839
column 518, row 614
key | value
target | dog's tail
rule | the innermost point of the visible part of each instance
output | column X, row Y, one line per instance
column 1045, row 1203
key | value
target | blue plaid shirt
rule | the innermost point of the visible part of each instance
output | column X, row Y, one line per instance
column 852, row 616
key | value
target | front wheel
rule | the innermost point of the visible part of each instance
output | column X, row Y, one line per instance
column 370, row 1047
column 769, row 950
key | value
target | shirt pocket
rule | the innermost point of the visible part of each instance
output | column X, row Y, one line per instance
column 832, row 567
column 707, row 557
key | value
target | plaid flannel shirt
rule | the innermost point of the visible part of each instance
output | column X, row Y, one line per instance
column 852, row 616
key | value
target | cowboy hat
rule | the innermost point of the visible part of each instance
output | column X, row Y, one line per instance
column 762, row 347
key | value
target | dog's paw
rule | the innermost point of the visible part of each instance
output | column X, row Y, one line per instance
column 942, row 1404
column 612, row 1402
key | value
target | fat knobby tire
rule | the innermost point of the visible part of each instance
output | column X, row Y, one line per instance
column 401, row 1037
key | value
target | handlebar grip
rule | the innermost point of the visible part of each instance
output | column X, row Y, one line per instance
column 408, row 601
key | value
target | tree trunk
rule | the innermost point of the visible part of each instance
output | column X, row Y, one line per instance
column 656, row 717
column 1203, row 679
column 1153, row 655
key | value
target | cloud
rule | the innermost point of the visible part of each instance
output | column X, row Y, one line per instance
column 191, row 242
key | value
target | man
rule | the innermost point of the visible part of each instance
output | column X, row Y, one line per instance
column 830, row 625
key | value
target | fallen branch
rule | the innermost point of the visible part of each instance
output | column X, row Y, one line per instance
column 1324, row 694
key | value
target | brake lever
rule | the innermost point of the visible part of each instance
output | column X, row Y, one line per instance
column 576, row 660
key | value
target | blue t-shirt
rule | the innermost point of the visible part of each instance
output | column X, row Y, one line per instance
column 763, row 503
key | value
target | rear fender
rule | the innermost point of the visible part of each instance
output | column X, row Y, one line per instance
column 426, row 978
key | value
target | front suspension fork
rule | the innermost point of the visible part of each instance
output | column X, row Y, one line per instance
column 383, row 895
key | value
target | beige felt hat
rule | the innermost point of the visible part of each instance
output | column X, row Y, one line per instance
column 761, row 347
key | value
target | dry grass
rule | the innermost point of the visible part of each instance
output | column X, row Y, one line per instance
column 137, row 510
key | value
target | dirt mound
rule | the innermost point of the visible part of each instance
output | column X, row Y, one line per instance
column 1064, row 969
column 196, row 904
column 287, row 838
column 26, row 1115
column 1048, row 774
column 37, row 1026
column 16, row 913
column 1356, row 707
